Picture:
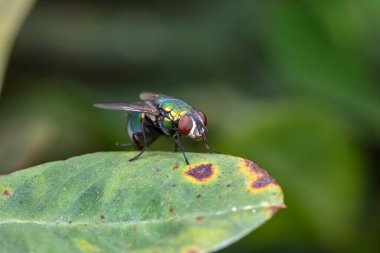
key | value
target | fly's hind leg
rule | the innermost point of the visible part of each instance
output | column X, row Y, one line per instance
column 145, row 147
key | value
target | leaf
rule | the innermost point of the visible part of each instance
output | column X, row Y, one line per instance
column 102, row 203
column 12, row 13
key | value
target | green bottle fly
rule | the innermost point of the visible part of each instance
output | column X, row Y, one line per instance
column 158, row 114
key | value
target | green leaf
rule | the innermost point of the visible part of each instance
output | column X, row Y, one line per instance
column 102, row 203
column 12, row 13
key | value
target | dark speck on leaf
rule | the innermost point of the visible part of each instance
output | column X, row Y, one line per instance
column 6, row 193
column 171, row 210
column 102, row 216
column 176, row 166
column 198, row 196
column 199, row 218
column 70, row 221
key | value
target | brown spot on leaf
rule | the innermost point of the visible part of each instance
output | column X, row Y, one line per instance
column 254, row 167
column 199, row 218
column 274, row 209
column 190, row 249
column 201, row 173
column 70, row 221
column 7, row 193
column 174, row 185
column 198, row 196
column 176, row 166
column 259, row 179
column 263, row 181
column 171, row 210
column 102, row 217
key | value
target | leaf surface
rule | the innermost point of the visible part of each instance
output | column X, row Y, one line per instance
column 102, row 203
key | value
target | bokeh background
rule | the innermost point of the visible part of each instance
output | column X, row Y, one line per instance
column 291, row 85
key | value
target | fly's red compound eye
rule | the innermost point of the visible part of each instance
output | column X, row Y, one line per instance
column 203, row 116
column 185, row 125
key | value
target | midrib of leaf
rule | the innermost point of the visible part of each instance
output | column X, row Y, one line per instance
column 247, row 208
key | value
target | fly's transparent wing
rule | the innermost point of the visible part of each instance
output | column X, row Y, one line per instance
column 152, row 95
column 138, row 106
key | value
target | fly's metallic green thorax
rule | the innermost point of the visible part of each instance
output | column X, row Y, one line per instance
column 172, row 111
column 158, row 114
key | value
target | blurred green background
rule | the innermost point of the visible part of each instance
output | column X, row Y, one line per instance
column 291, row 85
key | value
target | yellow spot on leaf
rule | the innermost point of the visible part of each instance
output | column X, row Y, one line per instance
column 85, row 246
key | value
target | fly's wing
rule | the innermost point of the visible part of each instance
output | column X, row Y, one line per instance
column 138, row 106
column 152, row 95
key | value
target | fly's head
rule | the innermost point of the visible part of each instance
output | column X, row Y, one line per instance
column 193, row 125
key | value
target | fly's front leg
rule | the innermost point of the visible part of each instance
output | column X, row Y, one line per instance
column 178, row 143
column 145, row 147
column 208, row 146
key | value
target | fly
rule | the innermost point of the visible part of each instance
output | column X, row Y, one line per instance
column 157, row 114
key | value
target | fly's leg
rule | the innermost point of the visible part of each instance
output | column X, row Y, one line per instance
column 175, row 147
column 178, row 143
column 145, row 143
column 208, row 146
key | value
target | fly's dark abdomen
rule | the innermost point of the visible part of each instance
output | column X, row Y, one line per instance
column 135, row 132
